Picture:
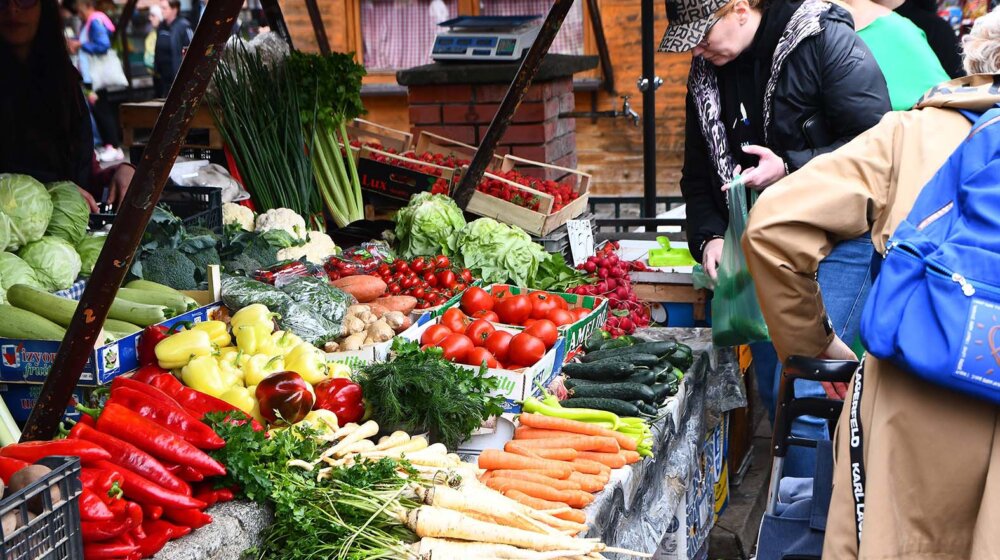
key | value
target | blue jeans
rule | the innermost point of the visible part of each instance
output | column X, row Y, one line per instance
column 844, row 280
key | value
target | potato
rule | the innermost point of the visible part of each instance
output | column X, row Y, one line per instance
column 10, row 522
column 364, row 288
column 24, row 477
column 403, row 304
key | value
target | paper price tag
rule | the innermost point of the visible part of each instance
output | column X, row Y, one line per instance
column 581, row 240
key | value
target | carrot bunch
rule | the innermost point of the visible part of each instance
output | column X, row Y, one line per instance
column 553, row 463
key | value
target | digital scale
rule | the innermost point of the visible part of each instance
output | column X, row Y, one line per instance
column 487, row 38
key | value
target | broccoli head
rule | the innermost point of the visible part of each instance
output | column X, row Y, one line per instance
column 203, row 258
column 169, row 267
column 261, row 251
column 241, row 263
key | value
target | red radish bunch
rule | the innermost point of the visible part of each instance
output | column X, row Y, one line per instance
column 432, row 280
column 628, row 313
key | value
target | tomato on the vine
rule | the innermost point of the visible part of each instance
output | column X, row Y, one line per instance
column 466, row 276
column 418, row 292
column 560, row 317
column 542, row 303
column 475, row 300
column 456, row 347
column 544, row 330
column 490, row 316
column 525, row 350
column 498, row 343
column 400, row 266
column 384, row 270
column 431, row 279
column 459, row 288
column 418, row 265
column 513, row 310
column 434, row 334
column 446, row 278
column 454, row 319
column 442, row 261
column 479, row 330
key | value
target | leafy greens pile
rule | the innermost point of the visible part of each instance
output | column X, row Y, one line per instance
column 427, row 226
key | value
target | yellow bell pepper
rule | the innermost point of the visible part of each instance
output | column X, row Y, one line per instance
column 285, row 341
column 252, row 314
column 216, row 330
column 255, row 338
column 178, row 349
column 307, row 361
column 243, row 398
column 229, row 354
column 337, row 369
column 321, row 419
column 260, row 366
column 204, row 374
column 231, row 373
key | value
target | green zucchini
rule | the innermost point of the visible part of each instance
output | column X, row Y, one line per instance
column 123, row 328
column 155, row 287
column 60, row 310
column 177, row 303
column 621, row 408
column 621, row 391
column 597, row 372
column 596, row 340
column 638, row 360
column 660, row 349
column 22, row 324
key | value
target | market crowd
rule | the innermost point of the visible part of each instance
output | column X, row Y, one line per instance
column 839, row 114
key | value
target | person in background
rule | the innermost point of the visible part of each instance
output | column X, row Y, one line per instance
column 46, row 125
column 95, row 38
column 772, row 86
column 172, row 36
column 931, row 455
column 149, row 54
column 940, row 36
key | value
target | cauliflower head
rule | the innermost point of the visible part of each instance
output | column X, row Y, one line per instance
column 239, row 215
column 316, row 250
column 284, row 219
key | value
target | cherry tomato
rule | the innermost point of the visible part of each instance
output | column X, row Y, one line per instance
column 454, row 319
column 394, row 289
column 498, row 343
column 513, row 310
column 400, row 266
column 456, row 347
column 544, row 330
column 384, row 270
column 434, row 299
column 434, row 334
column 442, row 261
column 446, row 278
column 488, row 315
column 525, row 350
column 459, row 288
column 475, row 300
column 418, row 292
column 418, row 265
column 431, row 279
column 560, row 317
column 466, row 276
column 479, row 330
column 478, row 356
column 542, row 303
column 579, row 313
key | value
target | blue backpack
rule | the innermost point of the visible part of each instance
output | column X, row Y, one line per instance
column 934, row 309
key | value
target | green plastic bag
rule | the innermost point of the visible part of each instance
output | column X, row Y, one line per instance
column 736, row 316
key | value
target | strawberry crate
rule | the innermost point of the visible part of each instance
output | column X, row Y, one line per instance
column 366, row 133
column 460, row 152
column 547, row 215
column 385, row 175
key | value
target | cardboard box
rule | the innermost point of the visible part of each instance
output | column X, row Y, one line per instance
column 390, row 176
column 20, row 398
column 370, row 353
column 29, row 361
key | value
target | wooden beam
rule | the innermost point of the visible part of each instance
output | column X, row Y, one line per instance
column 144, row 191
column 597, row 25
column 317, row 22
column 121, row 35
column 276, row 20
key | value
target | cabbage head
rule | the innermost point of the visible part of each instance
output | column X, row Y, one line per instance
column 28, row 205
column 70, row 212
column 426, row 226
column 15, row 271
column 498, row 252
column 89, row 249
column 55, row 262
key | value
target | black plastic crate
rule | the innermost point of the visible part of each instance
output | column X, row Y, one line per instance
column 195, row 206
column 55, row 534
column 557, row 241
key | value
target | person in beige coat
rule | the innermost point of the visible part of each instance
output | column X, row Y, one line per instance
column 931, row 456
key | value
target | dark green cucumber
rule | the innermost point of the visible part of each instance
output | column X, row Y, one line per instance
column 620, row 342
column 662, row 391
column 643, row 377
column 599, row 372
column 621, row 391
column 646, row 408
column 681, row 358
column 621, row 408
column 639, row 360
column 660, row 349
column 596, row 340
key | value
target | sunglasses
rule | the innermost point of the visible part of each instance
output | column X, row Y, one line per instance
column 20, row 4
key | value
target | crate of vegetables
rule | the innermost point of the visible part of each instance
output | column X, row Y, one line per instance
column 524, row 362
column 385, row 175
column 538, row 206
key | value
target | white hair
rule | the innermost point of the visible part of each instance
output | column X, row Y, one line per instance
column 155, row 11
column 981, row 47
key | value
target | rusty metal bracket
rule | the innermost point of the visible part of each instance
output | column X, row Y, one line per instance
column 515, row 94
column 144, row 191
column 317, row 22
column 276, row 19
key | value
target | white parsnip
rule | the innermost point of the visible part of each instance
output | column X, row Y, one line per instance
column 366, row 430
column 430, row 521
column 392, row 440
column 448, row 498
column 446, row 549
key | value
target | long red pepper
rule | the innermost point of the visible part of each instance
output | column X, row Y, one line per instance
column 142, row 490
column 172, row 418
column 156, row 440
column 93, row 508
column 194, row 518
column 135, row 518
column 145, row 374
column 97, row 531
column 108, row 550
column 9, row 466
column 158, row 533
column 198, row 403
column 151, row 513
column 32, row 451
column 186, row 473
column 128, row 456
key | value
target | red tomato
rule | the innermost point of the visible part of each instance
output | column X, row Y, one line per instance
column 442, row 261
column 466, row 276
column 544, row 330
column 479, row 330
column 498, row 343
column 513, row 310
column 525, row 350
column 400, row 266
column 418, row 265
column 560, row 302
column 454, row 320
column 431, row 279
column 434, row 334
column 488, row 315
column 475, row 300
column 560, row 317
column 579, row 313
column 542, row 303
column 456, row 347
column 477, row 356
column 499, row 293
column 446, row 279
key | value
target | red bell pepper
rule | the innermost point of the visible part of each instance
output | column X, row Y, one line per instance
column 342, row 397
column 167, row 414
column 118, row 421
column 150, row 337
column 193, row 518
column 10, row 466
column 93, row 508
column 31, row 451
column 285, row 396
column 108, row 550
column 129, row 457
column 142, row 490
column 197, row 403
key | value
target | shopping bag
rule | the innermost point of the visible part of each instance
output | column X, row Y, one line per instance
column 736, row 316
column 105, row 71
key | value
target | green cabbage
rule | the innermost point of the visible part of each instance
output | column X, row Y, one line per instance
column 89, row 249
column 29, row 207
column 55, row 261
column 499, row 253
column 426, row 226
column 15, row 271
column 70, row 212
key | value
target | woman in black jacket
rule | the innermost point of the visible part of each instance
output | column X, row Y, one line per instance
column 770, row 88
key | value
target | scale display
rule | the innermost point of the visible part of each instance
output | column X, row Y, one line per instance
column 496, row 38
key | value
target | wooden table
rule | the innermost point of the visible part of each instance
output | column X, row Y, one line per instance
column 142, row 116
column 669, row 287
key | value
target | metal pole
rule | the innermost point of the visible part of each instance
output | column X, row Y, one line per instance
column 648, row 85
column 275, row 19
column 143, row 193
column 317, row 22
column 518, row 88
column 607, row 69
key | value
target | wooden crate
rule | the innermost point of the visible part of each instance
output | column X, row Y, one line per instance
column 367, row 131
column 393, row 180
column 535, row 223
column 427, row 142
column 140, row 117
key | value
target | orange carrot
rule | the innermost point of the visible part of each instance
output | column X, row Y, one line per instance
column 580, row 443
column 549, row 473
column 527, row 432
column 554, row 454
column 572, row 498
column 537, row 478
column 588, row 482
column 574, row 426
column 613, row 460
column 494, row 459
column 573, row 515
column 587, row 466
column 631, row 456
